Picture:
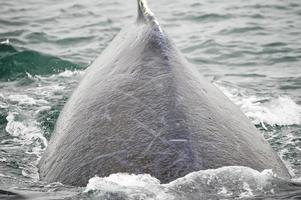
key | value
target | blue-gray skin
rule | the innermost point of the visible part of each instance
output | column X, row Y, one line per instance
column 141, row 108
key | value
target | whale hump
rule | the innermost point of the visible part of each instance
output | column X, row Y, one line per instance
column 142, row 108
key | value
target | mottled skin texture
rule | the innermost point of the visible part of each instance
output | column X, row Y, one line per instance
column 141, row 108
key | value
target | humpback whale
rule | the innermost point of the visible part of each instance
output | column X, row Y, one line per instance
column 142, row 108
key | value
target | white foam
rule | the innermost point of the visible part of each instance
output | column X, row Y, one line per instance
column 5, row 41
column 48, row 91
column 22, row 99
column 129, row 186
column 69, row 73
column 223, row 191
column 18, row 129
column 235, row 180
column 122, row 179
column 228, row 182
column 27, row 132
column 281, row 110
column 25, row 100
column 29, row 135
column 297, row 180
column 29, row 75
column 3, row 105
column 248, row 192
column 133, row 180
column 24, row 107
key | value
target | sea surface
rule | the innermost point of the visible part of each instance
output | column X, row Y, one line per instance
column 251, row 50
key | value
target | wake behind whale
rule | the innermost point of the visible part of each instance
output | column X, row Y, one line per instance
column 141, row 108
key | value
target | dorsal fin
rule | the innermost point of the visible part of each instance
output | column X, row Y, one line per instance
column 145, row 15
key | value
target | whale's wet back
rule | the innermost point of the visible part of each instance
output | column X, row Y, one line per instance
column 141, row 108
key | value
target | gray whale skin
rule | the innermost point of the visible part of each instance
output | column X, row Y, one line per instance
column 142, row 108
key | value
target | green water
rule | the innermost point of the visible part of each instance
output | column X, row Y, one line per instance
column 251, row 50
column 16, row 64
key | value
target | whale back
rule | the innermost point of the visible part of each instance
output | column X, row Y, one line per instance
column 141, row 108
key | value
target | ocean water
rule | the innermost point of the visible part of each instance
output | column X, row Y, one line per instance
column 251, row 50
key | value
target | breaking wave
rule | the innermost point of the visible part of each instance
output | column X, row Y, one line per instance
column 280, row 110
column 17, row 63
